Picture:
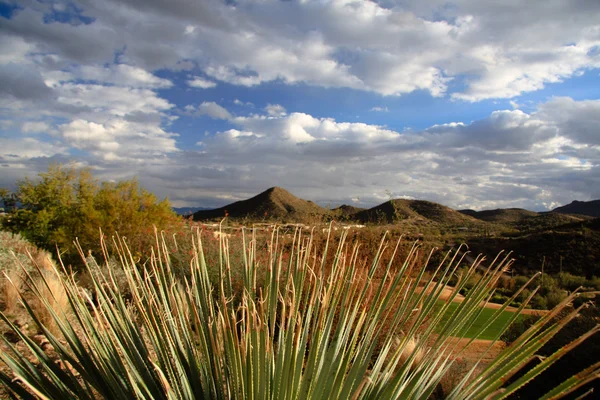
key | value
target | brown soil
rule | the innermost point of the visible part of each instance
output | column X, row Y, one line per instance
column 459, row 298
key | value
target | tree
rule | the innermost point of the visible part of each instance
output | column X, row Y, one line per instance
column 67, row 203
column 9, row 199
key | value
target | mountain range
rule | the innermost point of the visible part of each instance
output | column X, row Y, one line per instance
column 278, row 204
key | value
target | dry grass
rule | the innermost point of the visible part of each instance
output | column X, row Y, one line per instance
column 13, row 282
column 18, row 260
column 53, row 299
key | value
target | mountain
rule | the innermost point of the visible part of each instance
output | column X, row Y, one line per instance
column 188, row 210
column 401, row 209
column 589, row 208
column 274, row 203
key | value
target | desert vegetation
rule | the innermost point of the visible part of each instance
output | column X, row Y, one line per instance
column 177, row 308
column 298, row 325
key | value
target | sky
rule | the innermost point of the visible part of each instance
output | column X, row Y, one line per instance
column 470, row 103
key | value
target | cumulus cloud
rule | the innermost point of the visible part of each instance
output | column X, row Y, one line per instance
column 122, row 75
column 392, row 48
column 276, row 110
column 17, row 151
column 239, row 102
column 507, row 159
column 201, row 83
column 101, row 83
column 209, row 108
column 118, row 140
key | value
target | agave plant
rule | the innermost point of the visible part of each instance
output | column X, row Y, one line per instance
column 314, row 327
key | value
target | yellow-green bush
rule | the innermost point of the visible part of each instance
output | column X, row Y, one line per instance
column 66, row 203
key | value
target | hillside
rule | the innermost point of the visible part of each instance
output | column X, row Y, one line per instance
column 346, row 212
column 548, row 220
column 573, row 248
column 589, row 208
column 524, row 220
column 501, row 215
column 401, row 209
column 272, row 204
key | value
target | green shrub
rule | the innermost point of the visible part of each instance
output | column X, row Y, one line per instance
column 65, row 203
column 518, row 328
column 571, row 282
column 319, row 327
column 539, row 302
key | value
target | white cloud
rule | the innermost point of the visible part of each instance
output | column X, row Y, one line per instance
column 99, row 87
column 238, row 102
column 209, row 108
column 113, row 100
column 276, row 110
column 118, row 140
column 122, row 75
column 201, row 83
column 392, row 48
column 35, row 127
column 19, row 150
column 509, row 159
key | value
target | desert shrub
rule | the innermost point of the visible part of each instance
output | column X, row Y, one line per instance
column 554, row 297
column 539, row 302
column 319, row 327
column 66, row 203
column 571, row 282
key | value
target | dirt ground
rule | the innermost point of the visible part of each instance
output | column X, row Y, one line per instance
column 447, row 292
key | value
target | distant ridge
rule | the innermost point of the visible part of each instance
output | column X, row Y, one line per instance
column 589, row 208
column 399, row 209
column 274, row 203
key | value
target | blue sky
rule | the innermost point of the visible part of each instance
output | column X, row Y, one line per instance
column 473, row 104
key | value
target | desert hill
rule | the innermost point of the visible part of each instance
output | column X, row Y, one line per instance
column 524, row 220
column 272, row 204
column 401, row 209
column 501, row 215
column 589, row 208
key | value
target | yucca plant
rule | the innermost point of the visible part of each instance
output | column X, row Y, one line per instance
column 308, row 328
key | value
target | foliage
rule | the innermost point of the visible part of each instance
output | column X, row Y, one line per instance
column 318, row 327
column 66, row 203
column 518, row 327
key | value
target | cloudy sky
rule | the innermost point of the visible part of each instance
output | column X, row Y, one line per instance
column 471, row 103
